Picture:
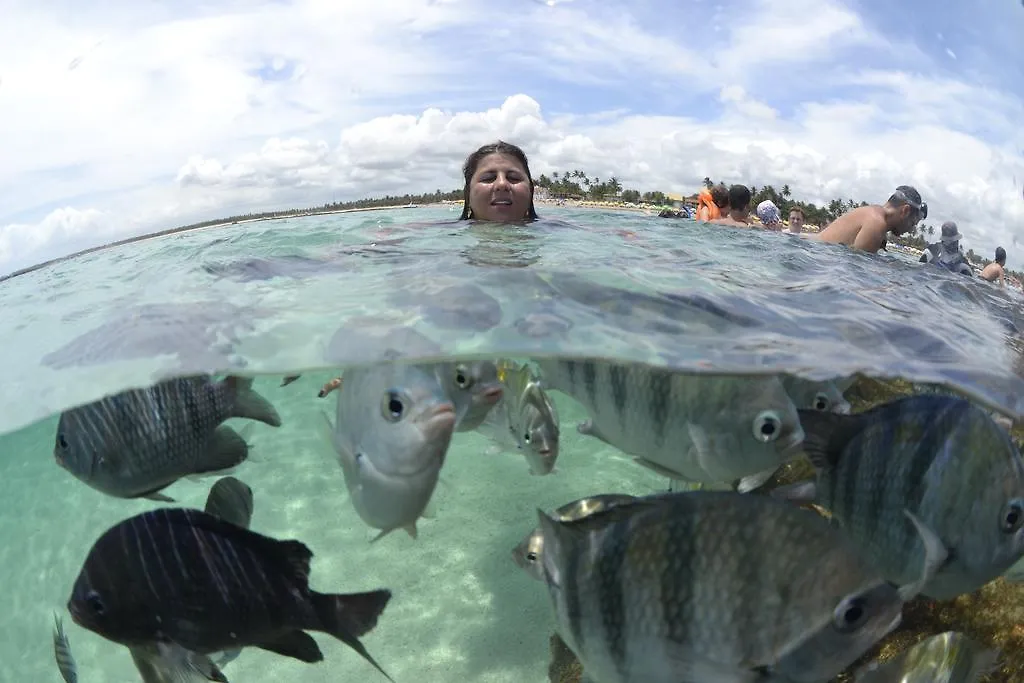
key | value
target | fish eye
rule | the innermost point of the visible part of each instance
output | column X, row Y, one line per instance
column 95, row 603
column 1013, row 517
column 850, row 614
column 463, row 377
column 767, row 426
column 531, row 556
column 526, row 437
column 61, row 441
column 392, row 406
column 821, row 402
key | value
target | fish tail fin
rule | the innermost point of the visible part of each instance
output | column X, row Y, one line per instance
column 250, row 404
column 347, row 617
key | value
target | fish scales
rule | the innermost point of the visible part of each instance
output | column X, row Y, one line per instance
column 661, row 575
column 940, row 458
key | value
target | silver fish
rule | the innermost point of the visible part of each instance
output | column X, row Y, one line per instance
column 527, row 555
column 62, row 652
column 945, row 658
column 138, row 442
column 940, row 457
column 813, row 395
column 713, row 586
column 474, row 388
column 525, row 419
column 699, row 428
column 169, row 663
column 393, row 427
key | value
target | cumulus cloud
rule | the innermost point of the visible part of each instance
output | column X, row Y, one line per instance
column 141, row 117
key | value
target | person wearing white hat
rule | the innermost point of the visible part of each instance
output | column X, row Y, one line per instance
column 946, row 252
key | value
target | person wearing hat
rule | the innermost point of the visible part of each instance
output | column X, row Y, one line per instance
column 866, row 227
column 946, row 252
column 994, row 271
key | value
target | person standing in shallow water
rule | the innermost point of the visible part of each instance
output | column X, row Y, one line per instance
column 739, row 208
column 498, row 187
column 866, row 227
column 995, row 270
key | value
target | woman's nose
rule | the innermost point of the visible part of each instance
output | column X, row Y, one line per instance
column 502, row 181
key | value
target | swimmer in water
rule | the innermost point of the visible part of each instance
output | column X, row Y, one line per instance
column 866, row 227
column 719, row 204
column 739, row 208
column 769, row 216
column 946, row 252
column 796, row 221
column 995, row 270
column 498, row 185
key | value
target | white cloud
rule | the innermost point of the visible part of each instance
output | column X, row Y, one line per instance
column 138, row 118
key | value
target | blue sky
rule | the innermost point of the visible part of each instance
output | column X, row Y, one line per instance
column 130, row 117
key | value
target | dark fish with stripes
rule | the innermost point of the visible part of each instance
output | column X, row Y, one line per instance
column 62, row 652
column 527, row 555
column 184, row 578
column 138, row 442
column 941, row 458
column 525, row 419
column 230, row 499
column 948, row 657
column 713, row 586
column 694, row 427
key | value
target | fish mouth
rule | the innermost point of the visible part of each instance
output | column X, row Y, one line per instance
column 76, row 615
column 441, row 415
column 492, row 394
column 793, row 443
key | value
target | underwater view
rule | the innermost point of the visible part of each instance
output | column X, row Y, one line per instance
column 585, row 365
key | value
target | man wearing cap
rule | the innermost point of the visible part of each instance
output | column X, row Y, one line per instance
column 946, row 252
column 994, row 271
column 866, row 227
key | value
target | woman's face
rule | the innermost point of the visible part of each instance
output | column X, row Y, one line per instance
column 499, row 190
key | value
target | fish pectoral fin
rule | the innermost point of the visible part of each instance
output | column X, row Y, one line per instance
column 227, row 449
column 825, row 435
column 659, row 469
column 798, row 492
column 935, row 556
column 226, row 657
column 295, row 644
column 250, row 404
column 754, row 481
column 159, row 497
column 168, row 661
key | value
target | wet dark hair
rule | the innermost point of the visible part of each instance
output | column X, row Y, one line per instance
column 1000, row 255
column 739, row 197
column 720, row 195
column 474, row 159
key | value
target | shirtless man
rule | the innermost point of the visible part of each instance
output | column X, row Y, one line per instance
column 796, row 221
column 739, row 208
column 866, row 227
column 994, row 271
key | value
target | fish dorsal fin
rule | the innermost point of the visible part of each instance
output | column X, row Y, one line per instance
column 826, row 434
column 292, row 556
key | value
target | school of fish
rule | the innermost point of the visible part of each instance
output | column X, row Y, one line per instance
column 709, row 580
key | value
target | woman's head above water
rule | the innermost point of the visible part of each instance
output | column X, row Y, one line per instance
column 498, row 185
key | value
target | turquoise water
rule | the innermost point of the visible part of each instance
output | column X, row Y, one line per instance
column 268, row 298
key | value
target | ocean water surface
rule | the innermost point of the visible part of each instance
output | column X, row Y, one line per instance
column 272, row 298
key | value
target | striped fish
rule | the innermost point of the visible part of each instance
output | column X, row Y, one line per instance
column 694, row 427
column 208, row 585
column 62, row 652
column 940, row 457
column 712, row 586
column 948, row 657
column 138, row 442
column 528, row 553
